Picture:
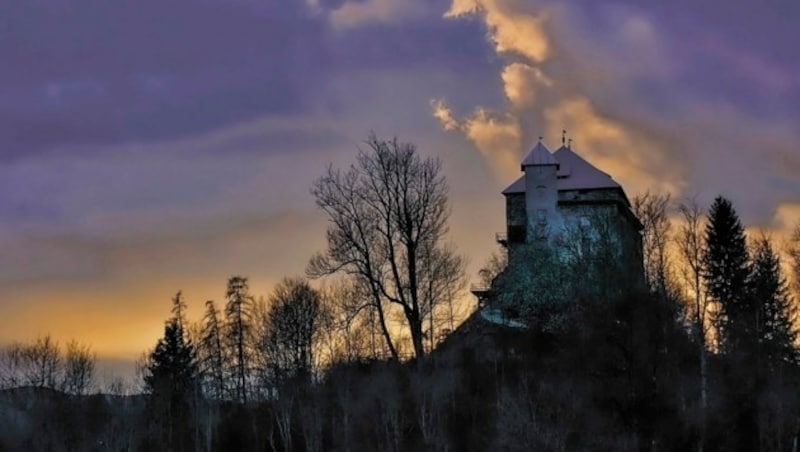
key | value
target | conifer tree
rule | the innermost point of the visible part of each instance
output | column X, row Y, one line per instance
column 179, row 310
column 726, row 271
column 774, row 321
column 171, row 378
column 212, row 352
column 727, row 274
column 238, row 332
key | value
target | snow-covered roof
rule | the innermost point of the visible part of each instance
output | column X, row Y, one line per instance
column 538, row 156
column 574, row 173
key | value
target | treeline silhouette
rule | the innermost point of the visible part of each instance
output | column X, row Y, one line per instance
column 701, row 356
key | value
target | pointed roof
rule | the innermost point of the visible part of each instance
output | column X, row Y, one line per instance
column 582, row 174
column 538, row 156
column 574, row 173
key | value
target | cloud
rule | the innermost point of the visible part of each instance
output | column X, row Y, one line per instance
column 618, row 148
column 354, row 13
column 72, row 80
column 624, row 93
column 545, row 95
column 787, row 216
column 445, row 115
column 509, row 30
column 521, row 82
column 497, row 136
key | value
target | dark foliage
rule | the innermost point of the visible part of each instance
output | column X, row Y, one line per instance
column 615, row 373
column 172, row 381
column 726, row 272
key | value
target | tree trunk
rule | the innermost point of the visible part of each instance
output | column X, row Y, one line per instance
column 703, row 389
column 384, row 329
column 416, row 333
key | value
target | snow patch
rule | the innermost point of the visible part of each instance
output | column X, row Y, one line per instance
column 496, row 316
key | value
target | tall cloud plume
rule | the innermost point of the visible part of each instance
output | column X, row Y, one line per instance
column 684, row 115
column 548, row 88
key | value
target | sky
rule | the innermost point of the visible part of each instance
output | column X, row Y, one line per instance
column 151, row 146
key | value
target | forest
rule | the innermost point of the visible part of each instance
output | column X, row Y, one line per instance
column 373, row 348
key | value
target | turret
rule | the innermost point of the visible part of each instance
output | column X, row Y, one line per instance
column 541, row 192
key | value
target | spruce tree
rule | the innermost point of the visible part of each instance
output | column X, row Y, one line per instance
column 171, row 380
column 726, row 272
column 769, row 293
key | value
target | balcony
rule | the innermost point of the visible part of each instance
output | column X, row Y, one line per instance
column 482, row 292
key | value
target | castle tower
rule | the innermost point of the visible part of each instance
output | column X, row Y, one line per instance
column 541, row 192
column 561, row 200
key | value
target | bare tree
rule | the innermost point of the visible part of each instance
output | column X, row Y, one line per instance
column 442, row 278
column 11, row 365
column 42, row 363
column 793, row 249
column 292, row 327
column 495, row 265
column 388, row 212
column 652, row 211
column 283, row 411
column 691, row 247
column 79, row 367
column 356, row 319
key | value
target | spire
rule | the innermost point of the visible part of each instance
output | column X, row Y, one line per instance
column 539, row 156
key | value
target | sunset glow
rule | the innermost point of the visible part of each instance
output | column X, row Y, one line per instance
column 148, row 147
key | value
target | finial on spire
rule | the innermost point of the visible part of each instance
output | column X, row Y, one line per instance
column 563, row 137
column 569, row 143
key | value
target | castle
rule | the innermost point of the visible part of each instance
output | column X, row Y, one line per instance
column 566, row 208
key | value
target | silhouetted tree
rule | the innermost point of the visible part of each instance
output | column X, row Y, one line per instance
column 39, row 363
column 692, row 249
column 726, row 270
column 775, row 315
column 388, row 213
column 441, row 280
column 79, row 368
column 652, row 211
column 292, row 325
column 179, row 310
column 793, row 250
column 238, row 334
column 171, row 379
column 211, row 352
